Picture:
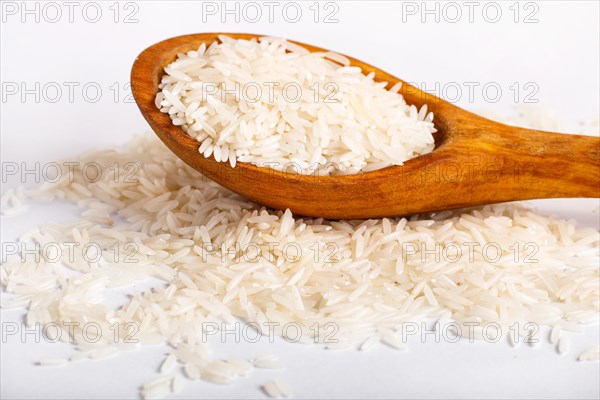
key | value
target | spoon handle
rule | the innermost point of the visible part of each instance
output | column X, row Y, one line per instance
column 483, row 162
column 546, row 164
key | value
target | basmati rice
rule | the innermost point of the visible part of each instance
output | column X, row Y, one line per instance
column 591, row 354
column 158, row 388
column 563, row 345
column 234, row 97
column 54, row 362
column 189, row 232
column 277, row 389
column 270, row 361
column 168, row 363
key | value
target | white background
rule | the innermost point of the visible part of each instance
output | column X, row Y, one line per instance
column 559, row 54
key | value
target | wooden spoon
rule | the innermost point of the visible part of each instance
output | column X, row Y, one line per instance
column 476, row 161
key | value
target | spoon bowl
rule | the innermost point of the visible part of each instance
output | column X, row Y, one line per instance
column 475, row 161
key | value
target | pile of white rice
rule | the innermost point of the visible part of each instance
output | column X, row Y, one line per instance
column 272, row 103
column 369, row 278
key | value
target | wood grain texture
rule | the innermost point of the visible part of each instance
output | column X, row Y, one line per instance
column 476, row 161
